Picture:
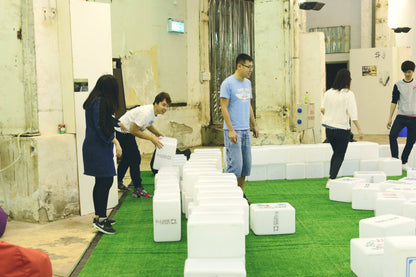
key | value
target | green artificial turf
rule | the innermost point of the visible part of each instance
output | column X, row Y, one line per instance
column 319, row 247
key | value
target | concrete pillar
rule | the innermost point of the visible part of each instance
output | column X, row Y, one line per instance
column 273, row 69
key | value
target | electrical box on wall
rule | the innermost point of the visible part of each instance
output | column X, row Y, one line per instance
column 302, row 117
column 176, row 26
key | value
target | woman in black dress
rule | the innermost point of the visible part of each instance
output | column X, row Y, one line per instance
column 97, row 148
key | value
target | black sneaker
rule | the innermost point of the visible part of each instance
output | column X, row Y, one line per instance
column 122, row 187
column 141, row 193
column 104, row 226
column 112, row 222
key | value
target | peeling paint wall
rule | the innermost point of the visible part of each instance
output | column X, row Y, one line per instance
column 273, row 72
column 42, row 185
column 154, row 60
column 17, row 64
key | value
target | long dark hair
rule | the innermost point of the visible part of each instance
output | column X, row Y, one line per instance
column 342, row 80
column 107, row 88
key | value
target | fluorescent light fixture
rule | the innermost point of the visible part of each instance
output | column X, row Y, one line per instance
column 176, row 26
column 311, row 5
column 401, row 29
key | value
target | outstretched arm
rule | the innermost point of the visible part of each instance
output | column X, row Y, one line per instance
column 135, row 130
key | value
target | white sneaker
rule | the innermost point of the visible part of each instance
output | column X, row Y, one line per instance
column 405, row 167
column 327, row 184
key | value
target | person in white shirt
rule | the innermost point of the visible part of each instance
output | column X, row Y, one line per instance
column 136, row 121
column 339, row 108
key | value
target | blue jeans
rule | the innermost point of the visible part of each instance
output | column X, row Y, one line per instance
column 238, row 154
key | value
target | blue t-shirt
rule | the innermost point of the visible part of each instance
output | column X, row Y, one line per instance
column 239, row 95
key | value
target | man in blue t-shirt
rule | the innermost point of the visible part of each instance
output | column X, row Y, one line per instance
column 238, row 117
column 404, row 96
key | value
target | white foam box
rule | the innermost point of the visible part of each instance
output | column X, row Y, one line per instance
column 272, row 218
column 390, row 166
column 216, row 236
column 408, row 191
column 366, row 256
column 314, row 170
column 411, row 172
column 384, row 151
column 258, row 173
column 319, row 152
column 408, row 180
column 215, row 188
column 208, row 159
column 164, row 156
column 390, row 183
column 295, row 154
column 295, row 171
column 341, row 189
column 409, row 208
column 198, row 209
column 369, row 165
column 399, row 256
column 348, row 167
column 353, row 151
column 389, row 203
column 371, row 176
column 236, row 193
column 268, row 154
column 191, row 176
column 215, row 267
column 221, row 203
column 364, row 196
column 167, row 182
column 386, row 226
column 166, row 217
column 368, row 150
column 169, row 170
column 186, row 199
column 276, row 171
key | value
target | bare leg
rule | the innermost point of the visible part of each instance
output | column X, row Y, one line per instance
column 240, row 182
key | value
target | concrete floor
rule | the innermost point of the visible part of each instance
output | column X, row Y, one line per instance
column 66, row 240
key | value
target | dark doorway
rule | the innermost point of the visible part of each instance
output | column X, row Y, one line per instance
column 331, row 72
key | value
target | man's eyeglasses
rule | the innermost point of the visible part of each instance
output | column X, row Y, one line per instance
column 248, row 66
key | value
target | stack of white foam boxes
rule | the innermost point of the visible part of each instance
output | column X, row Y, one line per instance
column 387, row 243
column 276, row 162
column 217, row 217
column 386, row 247
column 167, row 205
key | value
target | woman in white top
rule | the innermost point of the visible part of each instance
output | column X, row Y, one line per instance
column 339, row 109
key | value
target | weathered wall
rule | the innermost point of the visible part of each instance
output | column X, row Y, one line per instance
column 273, row 72
column 154, row 60
column 43, row 184
column 18, row 109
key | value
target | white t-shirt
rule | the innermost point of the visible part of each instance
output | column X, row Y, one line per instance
column 143, row 116
column 340, row 107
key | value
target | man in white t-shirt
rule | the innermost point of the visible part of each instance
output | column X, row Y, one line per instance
column 136, row 121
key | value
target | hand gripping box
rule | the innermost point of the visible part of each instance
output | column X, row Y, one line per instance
column 272, row 218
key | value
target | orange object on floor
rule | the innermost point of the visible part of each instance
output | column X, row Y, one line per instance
column 16, row 261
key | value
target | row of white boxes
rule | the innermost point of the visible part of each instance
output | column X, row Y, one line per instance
column 369, row 190
column 217, row 217
column 276, row 162
column 387, row 242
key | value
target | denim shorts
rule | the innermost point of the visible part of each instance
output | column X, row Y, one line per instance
column 238, row 154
